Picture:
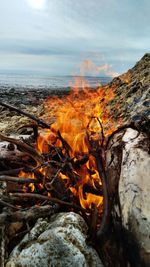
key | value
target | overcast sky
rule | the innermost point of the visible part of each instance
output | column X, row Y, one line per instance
column 56, row 36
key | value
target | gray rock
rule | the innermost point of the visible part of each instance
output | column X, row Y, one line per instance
column 134, row 186
column 58, row 242
column 132, row 94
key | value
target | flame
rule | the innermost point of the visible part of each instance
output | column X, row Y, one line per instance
column 78, row 118
column 27, row 175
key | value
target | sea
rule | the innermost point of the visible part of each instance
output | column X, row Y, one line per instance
column 46, row 82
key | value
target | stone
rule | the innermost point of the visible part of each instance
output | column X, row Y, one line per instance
column 132, row 92
column 60, row 241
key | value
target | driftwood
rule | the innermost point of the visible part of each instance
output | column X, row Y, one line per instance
column 32, row 213
column 19, row 180
column 56, row 161
column 12, row 171
column 66, row 165
column 106, row 211
column 49, row 199
column 6, row 204
column 24, row 147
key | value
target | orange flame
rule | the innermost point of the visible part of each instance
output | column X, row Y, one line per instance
column 78, row 116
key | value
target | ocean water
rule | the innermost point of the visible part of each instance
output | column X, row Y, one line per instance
column 21, row 81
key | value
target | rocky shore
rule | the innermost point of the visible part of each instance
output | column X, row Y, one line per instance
column 133, row 92
column 131, row 101
column 30, row 101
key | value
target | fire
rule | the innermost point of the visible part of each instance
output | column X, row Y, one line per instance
column 77, row 121
column 26, row 175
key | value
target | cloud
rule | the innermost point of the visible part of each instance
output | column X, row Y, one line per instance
column 109, row 33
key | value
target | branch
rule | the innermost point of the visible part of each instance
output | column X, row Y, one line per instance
column 65, row 145
column 106, row 211
column 50, row 199
column 18, row 180
column 25, row 147
column 27, row 215
column 11, row 172
column 6, row 204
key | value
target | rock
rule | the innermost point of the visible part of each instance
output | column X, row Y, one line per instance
column 132, row 93
column 61, row 241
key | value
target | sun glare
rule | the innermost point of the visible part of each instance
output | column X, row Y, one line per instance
column 37, row 4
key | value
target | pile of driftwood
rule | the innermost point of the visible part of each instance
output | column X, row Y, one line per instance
column 50, row 193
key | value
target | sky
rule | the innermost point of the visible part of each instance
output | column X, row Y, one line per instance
column 67, row 37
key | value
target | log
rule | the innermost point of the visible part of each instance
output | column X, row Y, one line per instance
column 19, row 180
column 50, row 199
column 29, row 150
column 12, row 171
column 29, row 214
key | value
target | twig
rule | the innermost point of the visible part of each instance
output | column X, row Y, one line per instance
column 102, row 132
column 50, row 199
column 18, row 180
column 34, row 128
column 66, row 146
column 93, row 223
column 25, row 147
column 90, row 189
column 79, row 162
column 6, row 204
column 12, row 171
column 39, row 121
column 106, row 211
column 27, row 215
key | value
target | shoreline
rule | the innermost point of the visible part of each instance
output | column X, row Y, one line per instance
column 31, row 101
column 32, row 96
column 26, row 96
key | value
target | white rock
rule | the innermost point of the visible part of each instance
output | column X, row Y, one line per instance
column 60, row 242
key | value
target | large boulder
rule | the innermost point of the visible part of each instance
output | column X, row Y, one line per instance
column 60, row 241
column 132, row 92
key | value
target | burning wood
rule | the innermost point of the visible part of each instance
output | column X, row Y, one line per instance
column 68, row 157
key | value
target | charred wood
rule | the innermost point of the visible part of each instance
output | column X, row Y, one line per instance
column 33, row 213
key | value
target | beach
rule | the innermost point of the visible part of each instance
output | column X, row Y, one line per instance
column 130, row 102
column 28, row 93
